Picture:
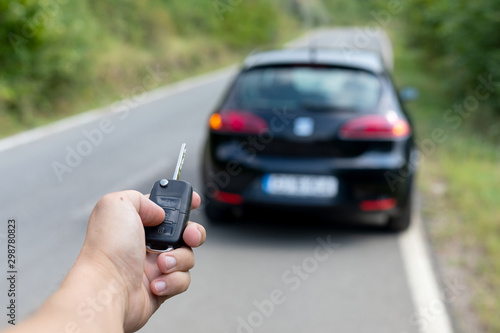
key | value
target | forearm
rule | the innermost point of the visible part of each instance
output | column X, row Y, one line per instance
column 113, row 286
column 85, row 302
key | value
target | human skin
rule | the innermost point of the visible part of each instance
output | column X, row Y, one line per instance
column 114, row 284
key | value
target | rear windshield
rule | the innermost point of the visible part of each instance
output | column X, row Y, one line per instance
column 321, row 88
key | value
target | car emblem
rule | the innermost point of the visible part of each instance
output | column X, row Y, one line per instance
column 303, row 126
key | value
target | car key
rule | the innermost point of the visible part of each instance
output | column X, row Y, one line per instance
column 174, row 196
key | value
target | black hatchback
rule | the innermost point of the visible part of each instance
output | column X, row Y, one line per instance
column 311, row 130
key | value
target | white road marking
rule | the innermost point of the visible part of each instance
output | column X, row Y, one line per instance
column 421, row 277
column 92, row 115
column 430, row 314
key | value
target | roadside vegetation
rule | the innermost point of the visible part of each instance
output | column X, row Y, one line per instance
column 449, row 50
column 62, row 57
column 459, row 179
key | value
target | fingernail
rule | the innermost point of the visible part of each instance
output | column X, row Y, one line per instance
column 160, row 286
column 170, row 262
column 199, row 236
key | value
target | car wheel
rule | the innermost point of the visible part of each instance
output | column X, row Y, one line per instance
column 402, row 221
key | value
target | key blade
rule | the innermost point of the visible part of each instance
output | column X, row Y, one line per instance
column 180, row 162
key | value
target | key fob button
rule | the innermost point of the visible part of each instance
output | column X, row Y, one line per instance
column 165, row 230
column 175, row 199
column 171, row 215
column 171, row 203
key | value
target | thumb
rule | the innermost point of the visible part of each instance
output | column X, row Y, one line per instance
column 150, row 213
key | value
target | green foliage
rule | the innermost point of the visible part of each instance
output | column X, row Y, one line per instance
column 459, row 179
column 352, row 13
column 249, row 24
column 461, row 39
column 139, row 23
column 59, row 56
column 41, row 50
column 235, row 23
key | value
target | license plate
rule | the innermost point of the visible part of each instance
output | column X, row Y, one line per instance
column 300, row 185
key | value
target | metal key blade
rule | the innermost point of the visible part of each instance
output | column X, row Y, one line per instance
column 180, row 162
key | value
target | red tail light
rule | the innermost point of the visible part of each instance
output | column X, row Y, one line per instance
column 230, row 198
column 380, row 204
column 375, row 127
column 235, row 121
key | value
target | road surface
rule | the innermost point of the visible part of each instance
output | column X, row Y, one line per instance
column 252, row 277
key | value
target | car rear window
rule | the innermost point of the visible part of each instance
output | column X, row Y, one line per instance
column 304, row 87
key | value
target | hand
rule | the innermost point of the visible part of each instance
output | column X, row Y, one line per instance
column 114, row 249
column 114, row 285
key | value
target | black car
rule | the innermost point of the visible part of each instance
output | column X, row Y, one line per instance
column 311, row 130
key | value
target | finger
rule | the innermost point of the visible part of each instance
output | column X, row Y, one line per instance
column 181, row 259
column 171, row 284
column 194, row 234
column 195, row 201
column 151, row 214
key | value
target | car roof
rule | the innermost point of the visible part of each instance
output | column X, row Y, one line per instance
column 362, row 59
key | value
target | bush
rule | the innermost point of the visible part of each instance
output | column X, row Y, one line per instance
column 461, row 39
column 60, row 56
column 42, row 52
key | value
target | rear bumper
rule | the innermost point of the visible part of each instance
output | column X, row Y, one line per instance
column 372, row 176
column 305, row 211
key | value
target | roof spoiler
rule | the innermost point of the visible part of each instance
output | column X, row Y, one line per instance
column 345, row 39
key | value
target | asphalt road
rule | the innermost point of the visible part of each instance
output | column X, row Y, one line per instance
column 252, row 277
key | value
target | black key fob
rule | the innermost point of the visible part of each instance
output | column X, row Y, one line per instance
column 174, row 196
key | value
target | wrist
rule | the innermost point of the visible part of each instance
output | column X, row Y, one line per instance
column 93, row 298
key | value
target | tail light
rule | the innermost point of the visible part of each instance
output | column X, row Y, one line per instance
column 230, row 198
column 235, row 121
column 380, row 204
column 375, row 127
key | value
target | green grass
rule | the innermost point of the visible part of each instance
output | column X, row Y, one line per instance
column 85, row 58
column 81, row 57
column 463, row 214
column 122, row 70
